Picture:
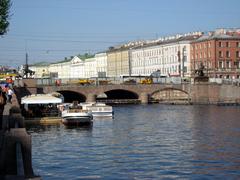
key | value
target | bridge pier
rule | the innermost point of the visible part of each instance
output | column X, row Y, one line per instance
column 91, row 98
column 144, row 98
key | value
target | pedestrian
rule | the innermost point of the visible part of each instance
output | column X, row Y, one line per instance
column 9, row 94
column 3, row 100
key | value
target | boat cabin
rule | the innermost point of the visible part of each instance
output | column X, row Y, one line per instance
column 40, row 105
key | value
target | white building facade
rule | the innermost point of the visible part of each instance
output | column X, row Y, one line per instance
column 171, row 57
column 101, row 64
column 77, row 68
column 90, row 68
column 61, row 69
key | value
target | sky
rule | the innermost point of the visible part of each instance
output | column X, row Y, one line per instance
column 50, row 30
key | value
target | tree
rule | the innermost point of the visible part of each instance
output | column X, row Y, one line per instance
column 4, row 15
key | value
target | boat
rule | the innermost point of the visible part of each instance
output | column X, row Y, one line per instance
column 75, row 115
column 41, row 108
column 98, row 109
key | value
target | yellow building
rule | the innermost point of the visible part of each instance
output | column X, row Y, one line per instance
column 118, row 62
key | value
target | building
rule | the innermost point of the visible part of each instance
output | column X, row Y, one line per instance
column 90, row 68
column 118, row 62
column 169, row 55
column 41, row 70
column 77, row 68
column 60, row 70
column 219, row 53
column 101, row 64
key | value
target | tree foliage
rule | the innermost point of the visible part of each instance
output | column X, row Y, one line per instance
column 85, row 56
column 4, row 15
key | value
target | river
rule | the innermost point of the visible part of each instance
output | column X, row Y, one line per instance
column 143, row 142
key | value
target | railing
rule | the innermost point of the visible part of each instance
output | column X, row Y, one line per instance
column 125, row 81
column 225, row 81
column 110, row 81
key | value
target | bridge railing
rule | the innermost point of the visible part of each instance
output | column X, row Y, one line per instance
column 128, row 80
column 110, row 81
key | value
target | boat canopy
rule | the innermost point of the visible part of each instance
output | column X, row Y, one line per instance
column 41, row 99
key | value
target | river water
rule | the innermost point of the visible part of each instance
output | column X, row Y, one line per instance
column 143, row 142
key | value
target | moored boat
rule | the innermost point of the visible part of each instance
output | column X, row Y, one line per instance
column 75, row 115
column 41, row 108
column 98, row 109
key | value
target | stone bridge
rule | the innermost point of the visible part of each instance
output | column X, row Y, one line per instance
column 140, row 91
column 200, row 93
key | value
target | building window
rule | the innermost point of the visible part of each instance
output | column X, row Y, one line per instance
column 238, row 44
column 237, row 64
column 220, row 54
column 219, row 44
column 227, row 44
column 227, row 54
column 220, row 64
column 228, row 64
column 238, row 54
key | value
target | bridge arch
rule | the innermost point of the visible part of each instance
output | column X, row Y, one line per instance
column 70, row 96
column 170, row 95
column 118, row 94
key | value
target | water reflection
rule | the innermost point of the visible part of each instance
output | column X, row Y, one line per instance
column 143, row 142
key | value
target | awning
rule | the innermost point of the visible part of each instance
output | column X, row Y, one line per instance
column 41, row 99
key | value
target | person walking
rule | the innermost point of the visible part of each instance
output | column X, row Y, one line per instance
column 3, row 100
column 9, row 94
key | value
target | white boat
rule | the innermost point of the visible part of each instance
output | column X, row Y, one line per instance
column 75, row 115
column 41, row 108
column 98, row 109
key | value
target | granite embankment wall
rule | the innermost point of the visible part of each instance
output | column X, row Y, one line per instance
column 214, row 93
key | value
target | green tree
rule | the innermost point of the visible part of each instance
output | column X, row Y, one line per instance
column 4, row 15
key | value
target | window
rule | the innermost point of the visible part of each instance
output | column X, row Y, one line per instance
column 237, row 64
column 238, row 54
column 220, row 54
column 220, row 64
column 227, row 44
column 228, row 64
column 219, row 44
column 227, row 54
column 238, row 44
